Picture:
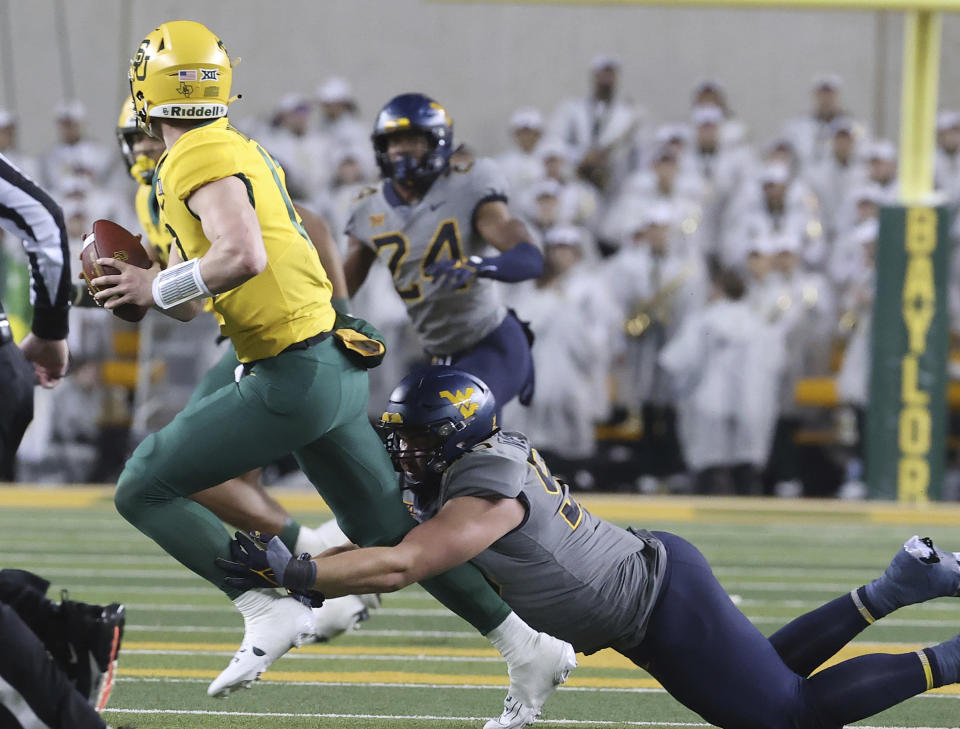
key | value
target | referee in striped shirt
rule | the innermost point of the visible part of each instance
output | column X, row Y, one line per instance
column 42, row 684
column 30, row 214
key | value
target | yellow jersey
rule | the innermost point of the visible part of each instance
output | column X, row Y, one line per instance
column 290, row 300
column 148, row 212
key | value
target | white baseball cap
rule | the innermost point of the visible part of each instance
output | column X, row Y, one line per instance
column 293, row 101
column 786, row 242
column 660, row 213
column 706, row 114
column 948, row 119
column 546, row 187
column 553, row 148
column 762, row 244
column 70, row 109
column 334, row 90
column 670, row 132
column 869, row 193
column 563, row 235
column 842, row 124
column 708, row 84
column 882, row 149
column 604, row 60
column 526, row 118
column 775, row 173
column 866, row 232
column 827, row 81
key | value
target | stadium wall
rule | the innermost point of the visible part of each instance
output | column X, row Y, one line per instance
column 481, row 61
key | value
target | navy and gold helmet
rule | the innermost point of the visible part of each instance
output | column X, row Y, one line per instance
column 414, row 113
column 435, row 415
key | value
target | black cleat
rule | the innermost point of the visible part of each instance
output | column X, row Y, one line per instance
column 91, row 643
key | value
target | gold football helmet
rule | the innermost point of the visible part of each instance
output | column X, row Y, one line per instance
column 129, row 135
column 181, row 71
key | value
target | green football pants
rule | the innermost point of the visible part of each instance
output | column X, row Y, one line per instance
column 222, row 373
column 309, row 402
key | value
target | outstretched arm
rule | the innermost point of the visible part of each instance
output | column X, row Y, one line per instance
column 519, row 260
column 463, row 528
column 326, row 246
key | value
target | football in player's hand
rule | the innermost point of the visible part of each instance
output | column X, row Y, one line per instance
column 109, row 240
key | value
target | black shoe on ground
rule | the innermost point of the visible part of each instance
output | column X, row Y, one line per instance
column 92, row 635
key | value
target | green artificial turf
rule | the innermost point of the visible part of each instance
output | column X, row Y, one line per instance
column 412, row 665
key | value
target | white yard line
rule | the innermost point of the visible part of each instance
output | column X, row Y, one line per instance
column 472, row 687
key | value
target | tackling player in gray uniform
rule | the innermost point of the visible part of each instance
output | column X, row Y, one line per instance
column 430, row 224
column 486, row 496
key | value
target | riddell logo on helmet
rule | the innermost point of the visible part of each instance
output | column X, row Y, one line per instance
column 191, row 111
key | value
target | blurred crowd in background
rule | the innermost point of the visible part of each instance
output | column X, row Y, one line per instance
column 694, row 275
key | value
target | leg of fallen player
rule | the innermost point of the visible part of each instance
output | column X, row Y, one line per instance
column 711, row 658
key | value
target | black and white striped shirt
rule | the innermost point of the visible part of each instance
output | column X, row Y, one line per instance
column 29, row 213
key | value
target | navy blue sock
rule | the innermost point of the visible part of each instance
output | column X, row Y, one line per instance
column 880, row 597
column 945, row 661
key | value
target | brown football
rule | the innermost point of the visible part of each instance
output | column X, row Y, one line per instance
column 109, row 240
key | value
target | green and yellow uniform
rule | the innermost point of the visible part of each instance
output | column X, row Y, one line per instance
column 288, row 302
column 308, row 399
column 160, row 241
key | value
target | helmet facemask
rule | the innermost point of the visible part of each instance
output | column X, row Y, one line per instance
column 412, row 172
column 423, row 453
column 414, row 114
column 140, row 166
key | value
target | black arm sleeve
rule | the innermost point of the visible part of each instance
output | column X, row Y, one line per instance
column 29, row 213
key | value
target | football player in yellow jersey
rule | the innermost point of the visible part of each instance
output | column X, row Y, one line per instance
column 238, row 239
column 242, row 501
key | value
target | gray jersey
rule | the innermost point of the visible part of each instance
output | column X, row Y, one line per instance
column 563, row 570
column 408, row 238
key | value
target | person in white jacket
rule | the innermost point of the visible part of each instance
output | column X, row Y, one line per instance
column 725, row 362
column 571, row 340
column 522, row 164
column 601, row 129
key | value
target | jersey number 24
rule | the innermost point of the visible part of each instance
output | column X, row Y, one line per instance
column 446, row 240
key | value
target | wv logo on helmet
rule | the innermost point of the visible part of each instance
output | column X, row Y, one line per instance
column 461, row 400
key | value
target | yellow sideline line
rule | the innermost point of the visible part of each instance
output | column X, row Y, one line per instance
column 321, row 650
column 620, row 507
column 362, row 677
column 605, row 659
column 54, row 497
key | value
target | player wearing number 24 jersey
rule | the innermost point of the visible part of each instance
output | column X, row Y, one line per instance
column 431, row 223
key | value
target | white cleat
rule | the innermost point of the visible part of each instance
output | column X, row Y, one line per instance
column 371, row 601
column 315, row 540
column 272, row 626
column 532, row 682
column 337, row 616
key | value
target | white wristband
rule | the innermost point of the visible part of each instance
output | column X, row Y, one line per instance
column 179, row 283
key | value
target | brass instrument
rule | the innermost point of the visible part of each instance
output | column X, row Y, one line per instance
column 657, row 308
